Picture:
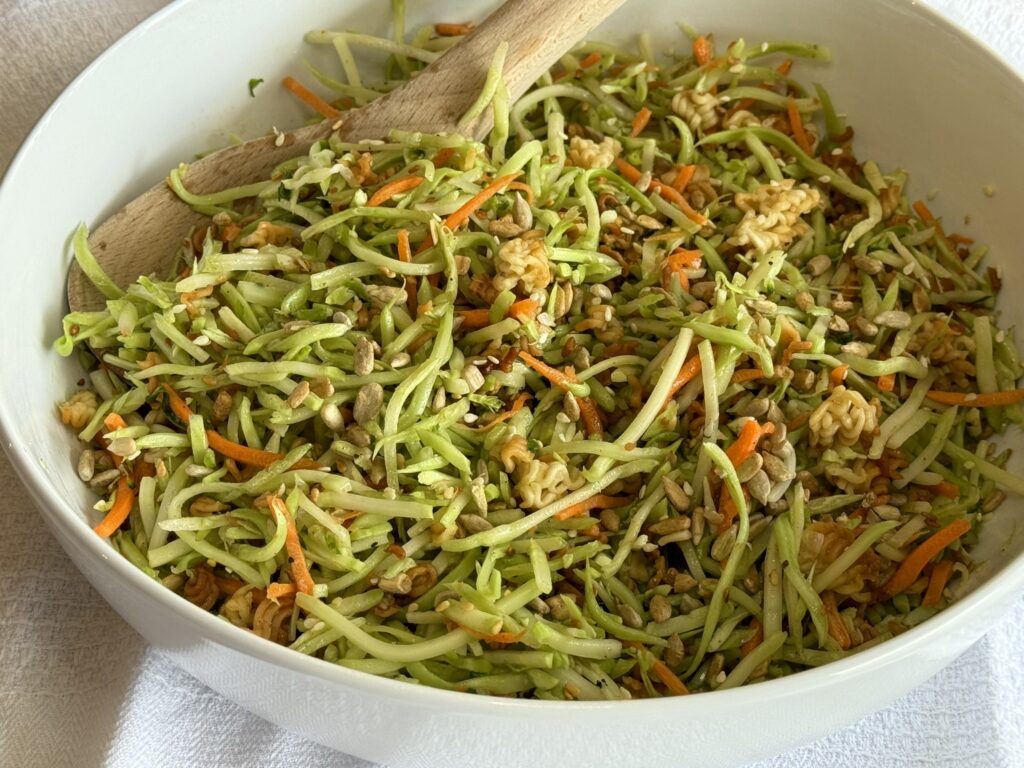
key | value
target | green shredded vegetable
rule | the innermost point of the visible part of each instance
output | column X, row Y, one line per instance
column 664, row 401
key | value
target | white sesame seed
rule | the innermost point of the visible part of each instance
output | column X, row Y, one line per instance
column 824, row 179
column 837, row 151
column 469, row 418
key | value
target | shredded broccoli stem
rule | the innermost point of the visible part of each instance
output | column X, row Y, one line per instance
column 647, row 384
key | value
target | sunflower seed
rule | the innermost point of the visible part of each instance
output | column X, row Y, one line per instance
column 749, row 466
column 321, row 387
column 755, row 408
column 867, row 264
column 818, row 264
column 362, row 358
column 660, row 608
column 86, row 465
column 893, row 319
column 804, row 301
column 669, row 525
column 629, row 615
column 298, row 395
column 676, row 495
column 369, row 400
column 776, row 468
column 522, row 214
column 331, row 416
column 474, row 523
column 760, row 486
column 473, row 378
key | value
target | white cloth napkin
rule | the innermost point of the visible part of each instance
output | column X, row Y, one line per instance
column 79, row 688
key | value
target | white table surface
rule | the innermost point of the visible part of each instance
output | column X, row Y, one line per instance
column 79, row 688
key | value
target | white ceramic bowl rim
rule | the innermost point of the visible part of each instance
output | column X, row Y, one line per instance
column 58, row 512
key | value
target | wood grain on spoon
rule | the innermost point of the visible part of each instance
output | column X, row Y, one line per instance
column 143, row 236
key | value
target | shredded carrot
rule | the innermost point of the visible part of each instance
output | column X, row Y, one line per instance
column 937, row 582
column 797, row 124
column 405, row 255
column 836, row 628
column 740, row 450
column 747, row 374
column 588, row 411
column 632, row 175
column 960, row 239
column 947, row 489
column 251, row 456
column 516, row 406
column 793, row 348
column 443, row 156
column 240, row 453
column 555, row 376
column 675, row 686
column 392, row 188
column 590, row 60
column 686, row 374
column 756, row 639
column 887, row 382
column 924, row 212
column 454, row 30
column 798, row 421
column 838, row 375
column 702, row 51
column 461, row 216
column 113, row 422
column 277, row 590
column 977, row 400
column 124, row 498
column 523, row 188
column 684, row 175
column 911, row 567
column 746, row 443
column 474, row 318
column 643, row 117
column 600, row 501
column 523, row 310
column 310, row 98
column 784, row 67
column 498, row 638
column 300, row 571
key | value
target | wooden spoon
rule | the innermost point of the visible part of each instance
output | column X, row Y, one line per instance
column 143, row 236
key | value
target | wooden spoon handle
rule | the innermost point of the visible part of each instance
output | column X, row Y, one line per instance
column 141, row 237
column 538, row 32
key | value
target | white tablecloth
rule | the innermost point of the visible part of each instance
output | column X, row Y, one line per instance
column 79, row 688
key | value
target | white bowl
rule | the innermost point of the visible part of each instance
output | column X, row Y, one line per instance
column 917, row 90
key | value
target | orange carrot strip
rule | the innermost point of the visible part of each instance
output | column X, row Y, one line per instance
column 393, row 188
column 498, row 638
column 784, row 67
column 758, row 637
column 977, row 400
column 240, row 453
column 300, row 571
column 937, row 582
column 702, row 52
column 555, row 376
column 911, row 567
column 453, row 30
column 523, row 310
column 523, row 188
column 746, row 443
column 747, row 374
column 123, row 501
column 474, row 318
column 588, row 411
column 684, row 175
column 643, row 117
column 590, row 60
column 797, row 124
column 686, row 374
column 600, row 501
column 924, row 212
column 251, row 456
column 113, row 422
column 277, row 590
column 887, row 382
column 405, row 254
column 517, row 406
column 461, row 216
column 727, row 508
column 310, row 98
column 443, row 156
column 632, row 175
column 947, row 489
column 675, row 686
column 838, row 375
